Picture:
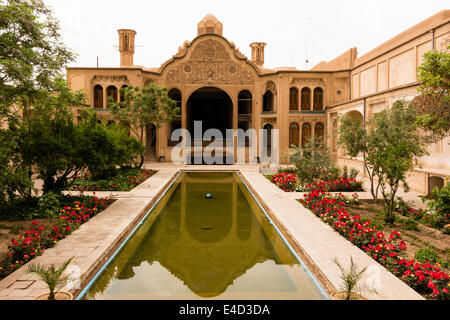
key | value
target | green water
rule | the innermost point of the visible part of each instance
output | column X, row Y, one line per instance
column 191, row 247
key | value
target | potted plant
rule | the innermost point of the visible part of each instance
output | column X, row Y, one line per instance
column 350, row 288
column 54, row 279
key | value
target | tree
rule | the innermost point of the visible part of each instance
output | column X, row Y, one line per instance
column 433, row 102
column 312, row 161
column 354, row 137
column 105, row 147
column 31, row 51
column 391, row 146
column 49, row 140
column 141, row 107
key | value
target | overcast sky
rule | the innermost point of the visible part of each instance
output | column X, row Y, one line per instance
column 323, row 29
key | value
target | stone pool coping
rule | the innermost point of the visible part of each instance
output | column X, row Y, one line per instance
column 319, row 244
column 95, row 241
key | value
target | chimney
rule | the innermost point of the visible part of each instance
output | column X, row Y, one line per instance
column 126, row 46
column 258, row 53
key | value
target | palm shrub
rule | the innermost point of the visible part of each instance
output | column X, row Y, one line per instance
column 51, row 275
column 351, row 278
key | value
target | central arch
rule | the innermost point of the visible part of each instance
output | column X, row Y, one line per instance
column 213, row 107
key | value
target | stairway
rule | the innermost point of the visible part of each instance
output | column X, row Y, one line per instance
column 150, row 155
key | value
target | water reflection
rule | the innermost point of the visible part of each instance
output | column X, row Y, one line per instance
column 192, row 247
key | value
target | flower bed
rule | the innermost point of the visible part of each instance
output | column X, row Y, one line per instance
column 336, row 185
column 425, row 278
column 124, row 180
column 287, row 181
column 34, row 242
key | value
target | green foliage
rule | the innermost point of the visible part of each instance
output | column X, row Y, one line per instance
column 311, row 161
column 31, row 51
column 49, row 204
column 105, row 147
column 411, row 225
column 429, row 255
column 351, row 278
column 141, row 107
column 355, row 139
column 51, row 275
column 439, row 202
column 391, row 147
column 124, row 179
column 433, row 103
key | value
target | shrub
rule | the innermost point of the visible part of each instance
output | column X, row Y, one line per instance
column 310, row 161
column 286, row 181
column 34, row 242
column 439, row 206
column 425, row 277
column 427, row 255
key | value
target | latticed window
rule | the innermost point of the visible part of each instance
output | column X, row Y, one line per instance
column 244, row 102
column 318, row 99
column 306, row 133
column 319, row 134
column 111, row 91
column 268, row 101
column 294, row 134
column 98, row 96
column 306, row 99
column 293, row 98
column 175, row 95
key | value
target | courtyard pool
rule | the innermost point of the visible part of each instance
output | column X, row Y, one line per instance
column 194, row 246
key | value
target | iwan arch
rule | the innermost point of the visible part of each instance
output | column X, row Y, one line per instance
column 214, row 82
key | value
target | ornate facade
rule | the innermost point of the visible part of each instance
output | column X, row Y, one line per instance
column 210, row 70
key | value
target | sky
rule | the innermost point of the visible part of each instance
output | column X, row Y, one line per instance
column 294, row 30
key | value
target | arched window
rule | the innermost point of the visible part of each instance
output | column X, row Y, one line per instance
column 306, row 133
column 121, row 92
column 356, row 115
column 175, row 95
column 98, row 96
column 244, row 102
column 434, row 181
column 293, row 98
column 306, row 99
column 318, row 99
column 294, row 134
column 319, row 132
column 268, row 101
column 267, row 138
column 111, row 91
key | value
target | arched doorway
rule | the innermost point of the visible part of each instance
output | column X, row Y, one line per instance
column 267, row 138
column 150, row 142
column 213, row 107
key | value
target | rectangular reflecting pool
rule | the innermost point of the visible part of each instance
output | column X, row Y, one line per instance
column 190, row 246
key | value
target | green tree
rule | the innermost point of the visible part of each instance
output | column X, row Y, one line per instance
column 49, row 141
column 395, row 147
column 105, row 147
column 354, row 137
column 141, row 107
column 31, row 51
column 433, row 102
column 391, row 146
